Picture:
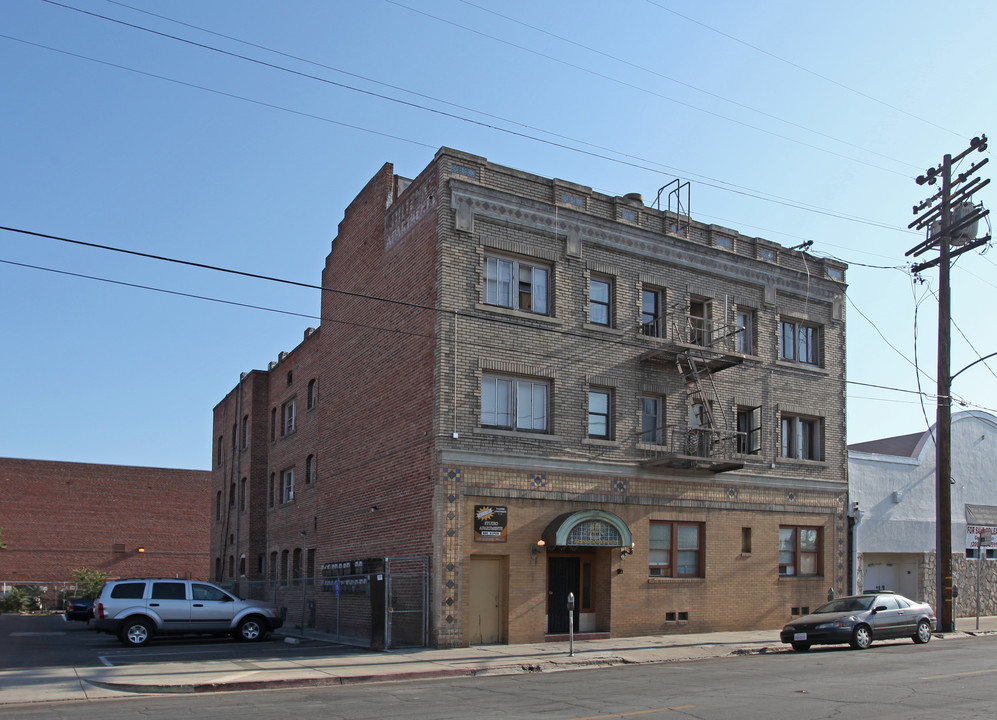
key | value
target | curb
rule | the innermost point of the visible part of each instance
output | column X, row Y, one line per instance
column 279, row 684
column 439, row 673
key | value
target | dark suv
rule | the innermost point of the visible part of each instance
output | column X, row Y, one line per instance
column 135, row 610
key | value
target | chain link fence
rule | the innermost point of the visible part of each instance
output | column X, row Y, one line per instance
column 384, row 608
column 376, row 604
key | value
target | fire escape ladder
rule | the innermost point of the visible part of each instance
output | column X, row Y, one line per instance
column 704, row 391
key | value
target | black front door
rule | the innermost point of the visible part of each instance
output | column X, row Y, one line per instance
column 562, row 578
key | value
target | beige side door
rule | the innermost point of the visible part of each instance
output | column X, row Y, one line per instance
column 485, row 623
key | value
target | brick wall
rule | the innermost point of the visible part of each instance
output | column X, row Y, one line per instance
column 60, row 516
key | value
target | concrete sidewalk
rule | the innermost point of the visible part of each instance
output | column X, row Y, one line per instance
column 67, row 684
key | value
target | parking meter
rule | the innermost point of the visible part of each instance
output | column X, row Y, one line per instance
column 571, row 624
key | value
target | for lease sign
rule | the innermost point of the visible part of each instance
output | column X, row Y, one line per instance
column 981, row 536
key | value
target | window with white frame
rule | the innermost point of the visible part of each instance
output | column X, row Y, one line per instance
column 517, row 284
column 676, row 549
column 650, row 312
column 749, row 430
column 310, row 470
column 600, row 301
column 802, row 437
column 799, row 551
column 287, row 486
column 799, row 342
column 651, row 419
column 289, row 415
column 515, row 403
column 600, row 414
column 744, row 340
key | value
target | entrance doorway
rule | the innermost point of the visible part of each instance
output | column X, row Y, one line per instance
column 485, row 625
column 563, row 577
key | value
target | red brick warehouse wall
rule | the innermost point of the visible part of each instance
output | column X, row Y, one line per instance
column 59, row 516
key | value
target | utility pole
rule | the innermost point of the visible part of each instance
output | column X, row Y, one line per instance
column 951, row 227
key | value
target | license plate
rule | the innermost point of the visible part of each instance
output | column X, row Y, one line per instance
column 799, row 636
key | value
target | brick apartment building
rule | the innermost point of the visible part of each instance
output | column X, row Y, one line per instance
column 125, row 521
column 544, row 389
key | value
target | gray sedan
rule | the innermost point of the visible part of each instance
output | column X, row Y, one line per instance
column 860, row 619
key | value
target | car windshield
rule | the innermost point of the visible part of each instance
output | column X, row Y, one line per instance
column 847, row 604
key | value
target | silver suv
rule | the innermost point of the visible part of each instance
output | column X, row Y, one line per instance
column 135, row 610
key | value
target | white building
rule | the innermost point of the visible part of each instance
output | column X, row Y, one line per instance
column 892, row 509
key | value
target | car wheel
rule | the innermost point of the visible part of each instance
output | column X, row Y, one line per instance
column 801, row 646
column 923, row 633
column 250, row 630
column 862, row 637
column 136, row 633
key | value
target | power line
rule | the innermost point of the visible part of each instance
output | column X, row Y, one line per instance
column 472, row 316
column 218, row 92
column 638, row 88
column 804, row 69
column 690, row 86
column 706, row 181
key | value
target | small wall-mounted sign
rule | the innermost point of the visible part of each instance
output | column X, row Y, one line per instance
column 490, row 523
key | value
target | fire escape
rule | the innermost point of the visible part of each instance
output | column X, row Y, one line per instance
column 698, row 348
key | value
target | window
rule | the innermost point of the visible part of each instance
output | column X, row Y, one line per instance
column 242, row 495
column 700, row 312
column 231, row 495
column 801, row 438
column 744, row 341
column 290, row 378
column 128, row 591
column 287, row 486
column 218, row 506
column 516, row 284
column 974, row 553
column 600, row 302
column 651, row 419
column 650, row 313
column 749, row 431
column 310, row 470
column 296, row 567
column 221, row 449
column 208, row 592
column 272, row 487
column 312, row 398
column 746, row 540
column 287, row 411
column 169, row 591
column 799, row 551
column 676, row 549
column 245, row 432
column 600, row 403
column 799, row 342
column 514, row 404
column 273, row 425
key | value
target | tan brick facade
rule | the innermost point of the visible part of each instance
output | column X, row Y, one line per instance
column 427, row 337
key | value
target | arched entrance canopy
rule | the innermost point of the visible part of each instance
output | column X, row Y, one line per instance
column 587, row 528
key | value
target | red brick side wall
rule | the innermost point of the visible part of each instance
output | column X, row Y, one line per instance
column 60, row 516
column 376, row 458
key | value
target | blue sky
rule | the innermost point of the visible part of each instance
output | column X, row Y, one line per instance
column 236, row 133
